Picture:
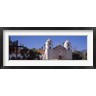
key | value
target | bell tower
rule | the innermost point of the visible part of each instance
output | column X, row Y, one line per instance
column 48, row 49
column 67, row 45
column 48, row 44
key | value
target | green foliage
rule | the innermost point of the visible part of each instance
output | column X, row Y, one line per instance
column 33, row 54
column 28, row 54
column 85, row 56
column 78, row 55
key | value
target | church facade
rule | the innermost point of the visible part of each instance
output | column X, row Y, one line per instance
column 59, row 52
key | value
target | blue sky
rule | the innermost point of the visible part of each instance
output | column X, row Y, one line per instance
column 77, row 42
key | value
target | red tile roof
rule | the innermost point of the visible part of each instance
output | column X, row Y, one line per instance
column 41, row 51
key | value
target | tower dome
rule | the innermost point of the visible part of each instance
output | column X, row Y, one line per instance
column 49, row 40
column 48, row 44
column 67, row 45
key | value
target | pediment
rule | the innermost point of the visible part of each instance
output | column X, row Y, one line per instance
column 59, row 47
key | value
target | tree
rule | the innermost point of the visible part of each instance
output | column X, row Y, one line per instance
column 77, row 55
column 85, row 56
column 34, row 55
column 11, row 46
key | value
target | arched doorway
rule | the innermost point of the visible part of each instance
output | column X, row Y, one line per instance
column 60, row 57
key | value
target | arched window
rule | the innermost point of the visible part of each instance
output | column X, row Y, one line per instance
column 50, row 47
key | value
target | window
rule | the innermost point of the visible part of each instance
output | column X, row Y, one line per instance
column 50, row 47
